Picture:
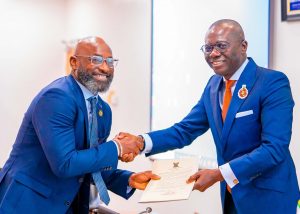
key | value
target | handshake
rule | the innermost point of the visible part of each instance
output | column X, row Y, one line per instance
column 129, row 146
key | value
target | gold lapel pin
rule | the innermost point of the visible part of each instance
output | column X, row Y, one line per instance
column 100, row 113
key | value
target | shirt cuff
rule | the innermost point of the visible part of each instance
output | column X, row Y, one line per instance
column 228, row 175
column 129, row 188
column 148, row 144
column 117, row 147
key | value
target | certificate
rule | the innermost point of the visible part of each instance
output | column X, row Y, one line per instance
column 172, row 184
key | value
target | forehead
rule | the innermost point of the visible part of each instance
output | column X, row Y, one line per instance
column 98, row 47
column 219, row 33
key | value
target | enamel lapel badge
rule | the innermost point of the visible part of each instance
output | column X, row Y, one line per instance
column 243, row 92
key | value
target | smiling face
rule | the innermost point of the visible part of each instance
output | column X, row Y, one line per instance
column 95, row 77
column 227, row 61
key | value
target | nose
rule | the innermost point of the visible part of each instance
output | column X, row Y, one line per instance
column 214, row 53
column 105, row 68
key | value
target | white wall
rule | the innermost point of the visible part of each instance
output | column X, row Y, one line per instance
column 31, row 56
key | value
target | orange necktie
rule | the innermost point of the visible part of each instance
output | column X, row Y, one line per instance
column 227, row 97
column 226, row 102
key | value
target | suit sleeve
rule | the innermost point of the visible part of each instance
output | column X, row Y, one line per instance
column 276, row 119
column 117, row 182
column 54, row 121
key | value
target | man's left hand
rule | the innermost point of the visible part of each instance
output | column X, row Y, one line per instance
column 205, row 178
column 141, row 179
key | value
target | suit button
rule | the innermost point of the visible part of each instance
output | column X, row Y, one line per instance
column 67, row 203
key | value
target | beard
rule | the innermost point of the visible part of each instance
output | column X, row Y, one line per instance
column 94, row 86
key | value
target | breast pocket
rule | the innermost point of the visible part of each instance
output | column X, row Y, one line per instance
column 244, row 116
column 247, row 129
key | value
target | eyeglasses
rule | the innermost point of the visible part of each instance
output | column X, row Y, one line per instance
column 221, row 47
column 98, row 60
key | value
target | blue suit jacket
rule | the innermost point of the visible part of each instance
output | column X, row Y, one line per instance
column 49, row 158
column 256, row 146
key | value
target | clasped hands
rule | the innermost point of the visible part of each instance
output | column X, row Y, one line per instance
column 129, row 146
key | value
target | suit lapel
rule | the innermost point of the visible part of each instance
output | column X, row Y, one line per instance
column 100, row 119
column 247, row 78
column 79, row 98
column 214, row 97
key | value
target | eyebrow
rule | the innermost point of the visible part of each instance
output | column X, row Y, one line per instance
column 217, row 42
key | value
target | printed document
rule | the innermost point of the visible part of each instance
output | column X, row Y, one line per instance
column 172, row 184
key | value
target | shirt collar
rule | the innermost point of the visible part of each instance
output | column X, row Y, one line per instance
column 86, row 93
column 239, row 71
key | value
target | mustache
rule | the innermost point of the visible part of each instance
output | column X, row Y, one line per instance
column 94, row 86
column 97, row 72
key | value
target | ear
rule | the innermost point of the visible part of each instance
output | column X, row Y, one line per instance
column 244, row 46
column 74, row 62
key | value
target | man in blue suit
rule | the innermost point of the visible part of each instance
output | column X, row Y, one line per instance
column 50, row 166
column 249, row 110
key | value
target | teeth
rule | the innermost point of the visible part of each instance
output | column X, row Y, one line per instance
column 216, row 62
column 100, row 75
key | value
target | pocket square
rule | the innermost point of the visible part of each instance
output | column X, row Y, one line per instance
column 243, row 113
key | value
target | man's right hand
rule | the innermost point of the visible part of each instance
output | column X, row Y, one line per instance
column 130, row 146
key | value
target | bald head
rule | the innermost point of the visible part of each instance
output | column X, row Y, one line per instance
column 233, row 29
column 90, row 45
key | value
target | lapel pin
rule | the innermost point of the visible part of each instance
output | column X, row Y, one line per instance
column 100, row 113
column 243, row 92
